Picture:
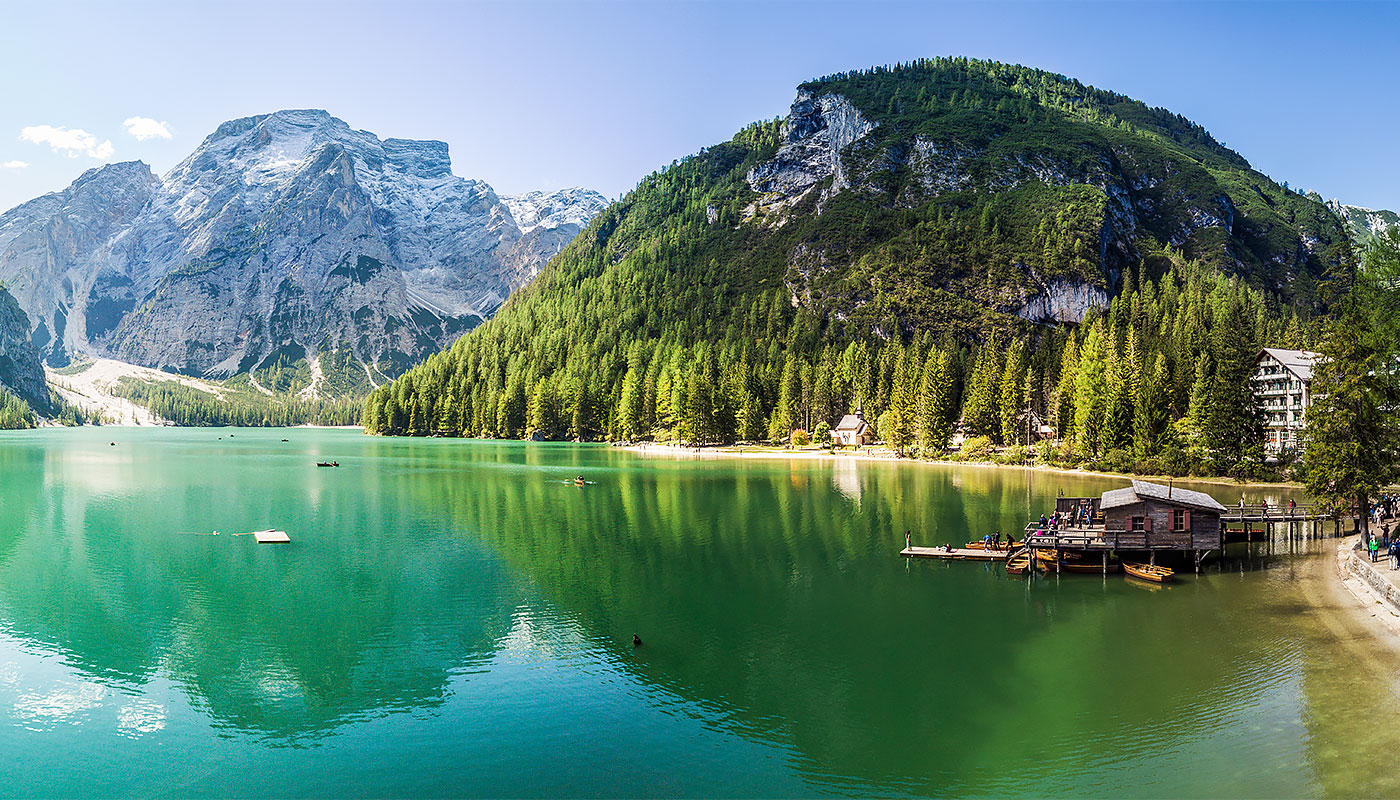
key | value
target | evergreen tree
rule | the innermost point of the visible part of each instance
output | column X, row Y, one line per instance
column 935, row 402
column 1353, row 426
column 1090, row 393
column 1064, row 389
column 900, row 430
column 1012, row 395
column 629, row 408
column 1150, row 414
column 981, row 411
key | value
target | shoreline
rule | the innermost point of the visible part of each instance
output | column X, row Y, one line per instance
column 1370, row 606
column 729, row 451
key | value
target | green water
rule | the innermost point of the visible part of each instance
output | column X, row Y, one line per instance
column 455, row 618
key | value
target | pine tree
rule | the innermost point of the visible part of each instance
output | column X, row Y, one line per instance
column 1353, row 426
column 1012, row 395
column 980, row 410
column 1117, row 429
column 1090, row 393
column 935, row 402
column 1150, row 414
column 629, row 408
column 784, row 419
column 899, row 432
column 1064, row 390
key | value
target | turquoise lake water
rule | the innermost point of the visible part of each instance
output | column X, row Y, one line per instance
column 454, row 618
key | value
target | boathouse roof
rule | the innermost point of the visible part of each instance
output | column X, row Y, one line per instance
column 1298, row 362
column 1142, row 490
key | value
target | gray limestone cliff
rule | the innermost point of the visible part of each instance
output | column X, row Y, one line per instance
column 282, row 235
column 21, row 372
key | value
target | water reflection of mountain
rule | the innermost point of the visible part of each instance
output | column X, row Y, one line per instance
column 374, row 608
column 766, row 594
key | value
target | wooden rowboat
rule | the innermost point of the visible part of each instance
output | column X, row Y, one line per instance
column 978, row 545
column 1018, row 564
column 1148, row 572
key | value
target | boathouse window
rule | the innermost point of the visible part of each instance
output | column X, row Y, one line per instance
column 1181, row 519
column 1139, row 524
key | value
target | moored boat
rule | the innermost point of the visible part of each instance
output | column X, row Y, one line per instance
column 1018, row 563
column 1149, row 572
column 979, row 545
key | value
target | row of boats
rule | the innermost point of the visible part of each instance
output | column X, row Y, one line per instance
column 1019, row 562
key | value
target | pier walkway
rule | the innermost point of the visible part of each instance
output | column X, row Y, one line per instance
column 1263, row 512
column 955, row 554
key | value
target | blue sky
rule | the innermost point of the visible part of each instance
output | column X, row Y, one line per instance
column 541, row 95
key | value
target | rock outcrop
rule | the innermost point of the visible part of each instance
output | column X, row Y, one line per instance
column 21, row 372
column 1067, row 204
column 1364, row 224
column 282, row 235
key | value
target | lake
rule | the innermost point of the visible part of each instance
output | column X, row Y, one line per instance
column 456, row 618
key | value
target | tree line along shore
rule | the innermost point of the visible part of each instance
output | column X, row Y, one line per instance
column 1156, row 383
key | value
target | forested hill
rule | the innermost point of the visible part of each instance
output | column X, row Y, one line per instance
column 950, row 201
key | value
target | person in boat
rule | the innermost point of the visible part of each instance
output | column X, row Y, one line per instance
column 1042, row 520
column 947, row 547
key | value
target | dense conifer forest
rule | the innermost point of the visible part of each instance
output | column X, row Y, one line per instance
column 687, row 313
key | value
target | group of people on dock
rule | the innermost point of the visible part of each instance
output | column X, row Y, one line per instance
column 993, row 541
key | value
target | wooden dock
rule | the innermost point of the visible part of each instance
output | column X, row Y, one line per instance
column 956, row 554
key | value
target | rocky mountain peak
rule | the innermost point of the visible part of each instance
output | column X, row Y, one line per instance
column 281, row 236
column 548, row 210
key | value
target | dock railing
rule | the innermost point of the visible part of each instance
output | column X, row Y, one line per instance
column 1268, row 512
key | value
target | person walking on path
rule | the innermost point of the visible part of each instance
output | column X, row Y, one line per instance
column 1372, row 546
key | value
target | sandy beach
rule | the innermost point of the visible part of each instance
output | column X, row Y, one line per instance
column 881, row 454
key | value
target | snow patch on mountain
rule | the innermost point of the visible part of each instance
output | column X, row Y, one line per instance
column 549, row 210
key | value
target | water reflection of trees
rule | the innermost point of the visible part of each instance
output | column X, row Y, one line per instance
column 770, row 594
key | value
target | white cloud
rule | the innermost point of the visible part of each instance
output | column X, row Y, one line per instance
column 144, row 128
column 72, row 143
column 13, row 165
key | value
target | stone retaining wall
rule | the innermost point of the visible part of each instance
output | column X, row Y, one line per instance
column 1350, row 561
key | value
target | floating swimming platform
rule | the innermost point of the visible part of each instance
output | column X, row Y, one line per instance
column 271, row 537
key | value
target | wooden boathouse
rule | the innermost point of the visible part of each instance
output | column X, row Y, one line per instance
column 1144, row 517
column 1149, row 516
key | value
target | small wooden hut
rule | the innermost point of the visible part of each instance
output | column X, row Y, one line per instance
column 1151, row 516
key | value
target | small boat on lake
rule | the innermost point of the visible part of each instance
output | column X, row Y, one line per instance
column 1019, row 563
column 579, row 481
column 327, row 463
column 1149, row 572
column 980, row 545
